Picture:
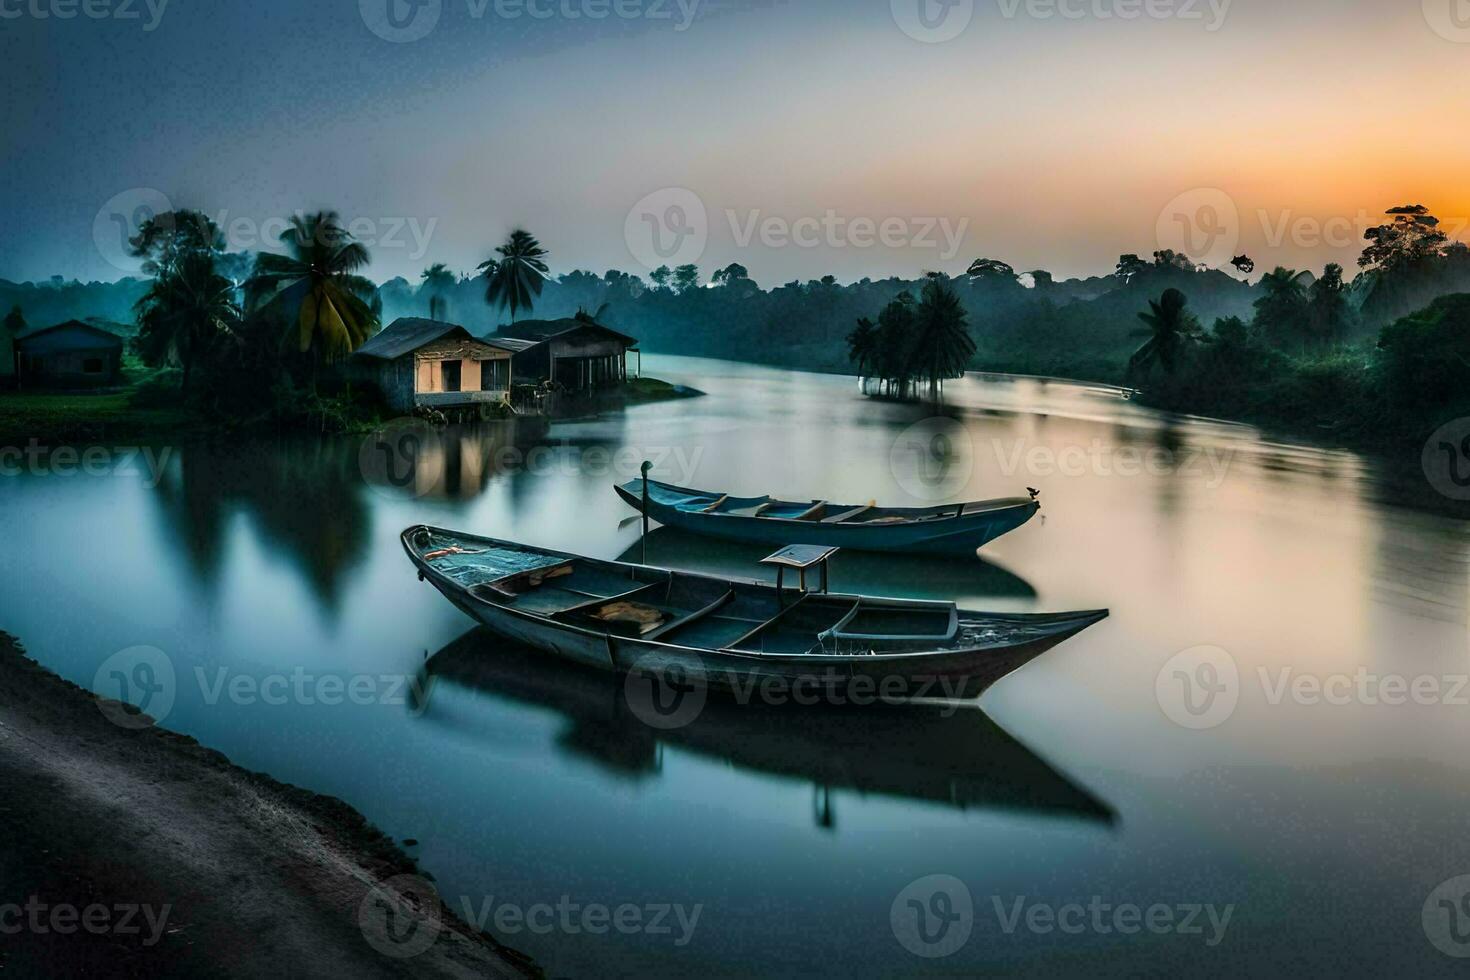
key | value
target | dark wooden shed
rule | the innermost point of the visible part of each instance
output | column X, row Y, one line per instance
column 577, row 354
column 69, row 355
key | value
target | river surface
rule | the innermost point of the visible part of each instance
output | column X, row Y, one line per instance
column 1227, row 775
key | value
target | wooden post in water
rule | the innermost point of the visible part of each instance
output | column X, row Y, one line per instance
column 645, row 468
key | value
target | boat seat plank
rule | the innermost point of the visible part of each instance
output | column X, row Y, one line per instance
column 597, row 602
column 533, row 578
column 814, row 512
column 716, row 505
column 713, row 632
column 685, row 620
column 767, row 624
column 549, row 600
column 848, row 515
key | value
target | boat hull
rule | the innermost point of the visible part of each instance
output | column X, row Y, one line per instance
column 945, row 674
column 963, row 535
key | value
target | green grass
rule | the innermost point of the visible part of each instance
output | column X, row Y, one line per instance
column 142, row 409
column 653, row 390
column 51, row 419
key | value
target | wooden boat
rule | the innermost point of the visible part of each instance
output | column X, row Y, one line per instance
column 729, row 634
column 948, row 529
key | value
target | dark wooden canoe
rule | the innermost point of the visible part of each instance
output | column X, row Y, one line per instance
column 729, row 634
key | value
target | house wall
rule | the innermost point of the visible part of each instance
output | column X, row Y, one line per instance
column 532, row 365
column 69, row 367
column 403, row 381
column 604, row 354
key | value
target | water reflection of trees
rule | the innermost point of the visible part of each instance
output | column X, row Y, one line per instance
column 305, row 497
column 301, row 496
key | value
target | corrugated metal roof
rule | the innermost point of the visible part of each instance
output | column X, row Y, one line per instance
column 539, row 330
column 406, row 335
column 513, row 344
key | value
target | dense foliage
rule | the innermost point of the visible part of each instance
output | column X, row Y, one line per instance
column 1289, row 347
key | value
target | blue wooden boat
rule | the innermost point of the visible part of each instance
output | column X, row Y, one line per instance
column 734, row 635
column 950, row 529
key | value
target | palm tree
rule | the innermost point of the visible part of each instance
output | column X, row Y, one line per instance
column 942, row 347
column 515, row 279
column 317, row 283
column 862, row 347
column 188, row 309
column 1170, row 327
column 895, row 341
column 15, row 321
column 1282, row 310
column 437, row 278
column 163, row 240
column 1328, row 312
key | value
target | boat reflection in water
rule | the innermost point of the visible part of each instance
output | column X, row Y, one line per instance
column 947, row 755
column 869, row 573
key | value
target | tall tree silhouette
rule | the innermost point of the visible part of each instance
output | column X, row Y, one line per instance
column 1169, row 328
column 189, row 309
column 437, row 281
column 941, row 347
column 514, row 280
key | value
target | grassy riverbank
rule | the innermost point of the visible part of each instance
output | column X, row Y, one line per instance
column 642, row 390
column 226, row 872
column 148, row 408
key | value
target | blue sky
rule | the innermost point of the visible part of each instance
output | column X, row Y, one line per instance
column 814, row 136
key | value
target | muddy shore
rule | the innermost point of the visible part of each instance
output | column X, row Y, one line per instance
column 138, row 852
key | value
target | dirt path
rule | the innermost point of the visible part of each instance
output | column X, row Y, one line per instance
column 139, row 852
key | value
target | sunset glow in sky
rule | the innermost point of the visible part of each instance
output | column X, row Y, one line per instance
column 1049, row 136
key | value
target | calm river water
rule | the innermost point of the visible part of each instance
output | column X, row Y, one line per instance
column 1259, row 762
